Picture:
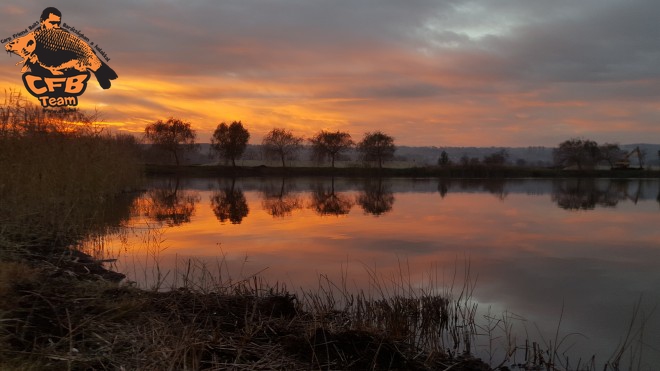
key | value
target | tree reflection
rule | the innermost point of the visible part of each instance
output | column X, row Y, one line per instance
column 326, row 202
column 280, row 202
column 495, row 187
column 620, row 188
column 230, row 204
column 443, row 187
column 168, row 204
column 376, row 198
column 586, row 194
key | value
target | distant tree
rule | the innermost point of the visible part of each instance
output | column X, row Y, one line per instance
column 173, row 135
column 444, row 159
column 497, row 158
column 580, row 152
column 328, row 144
column 521, row 162
column 230, row 141
column 465, row 160
column 281, row 143
column 377, row 147
column 611, row 153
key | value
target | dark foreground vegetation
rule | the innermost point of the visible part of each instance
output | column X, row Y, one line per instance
column 63, row 181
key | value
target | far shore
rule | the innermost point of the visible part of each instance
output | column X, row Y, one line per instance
column 452, row 171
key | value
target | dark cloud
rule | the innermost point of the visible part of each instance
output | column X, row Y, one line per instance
column 464, row 53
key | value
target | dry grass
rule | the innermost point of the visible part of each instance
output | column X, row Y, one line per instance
column 74, row 320
column 63, row 316
column 59, row 174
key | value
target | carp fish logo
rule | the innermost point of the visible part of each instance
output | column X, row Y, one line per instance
column 56, row 63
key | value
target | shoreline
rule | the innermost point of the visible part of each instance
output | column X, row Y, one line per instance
column 506, row 172
column 68, row 311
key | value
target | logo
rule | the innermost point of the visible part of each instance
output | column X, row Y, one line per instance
column 58, row 61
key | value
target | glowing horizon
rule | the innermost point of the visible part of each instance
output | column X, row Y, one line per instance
column 460, row 74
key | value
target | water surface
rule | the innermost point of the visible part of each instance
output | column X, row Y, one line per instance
column 579, row 251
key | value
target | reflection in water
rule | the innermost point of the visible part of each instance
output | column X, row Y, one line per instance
column 230, row 204
column 568, row 194
column 530, row 256
column 328, row 202
column 280, row 202
column 376, row 197
column 443, row 187
column 496, row 187
column 168, row 204
column 586, row 194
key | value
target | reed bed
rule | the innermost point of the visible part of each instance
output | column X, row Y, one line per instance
column 57, row 318
column 61, row 175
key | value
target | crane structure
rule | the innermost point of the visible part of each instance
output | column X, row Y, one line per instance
column 624, row 163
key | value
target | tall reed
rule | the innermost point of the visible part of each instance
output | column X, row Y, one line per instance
column 59, row 172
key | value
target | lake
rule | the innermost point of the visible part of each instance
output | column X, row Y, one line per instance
column 569, row 259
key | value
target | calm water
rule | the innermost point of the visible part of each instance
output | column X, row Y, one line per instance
column 533, row 246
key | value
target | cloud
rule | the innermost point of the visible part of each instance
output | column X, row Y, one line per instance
column 462, row 72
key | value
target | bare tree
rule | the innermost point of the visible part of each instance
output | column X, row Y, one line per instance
column 281, row 143
column 444, row 159
column 173, row 135
column 497, row 158
column 378, row 147
column 230, row 141
column 580, row 152
column 330, row 144
column 611, row 153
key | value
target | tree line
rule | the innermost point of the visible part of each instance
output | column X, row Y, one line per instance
column 172, row 205
column 586, row 154
column 229, row 142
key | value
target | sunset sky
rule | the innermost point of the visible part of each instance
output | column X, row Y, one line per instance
column 429, row 73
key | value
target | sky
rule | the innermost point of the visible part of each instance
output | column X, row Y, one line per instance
column 429, row 73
